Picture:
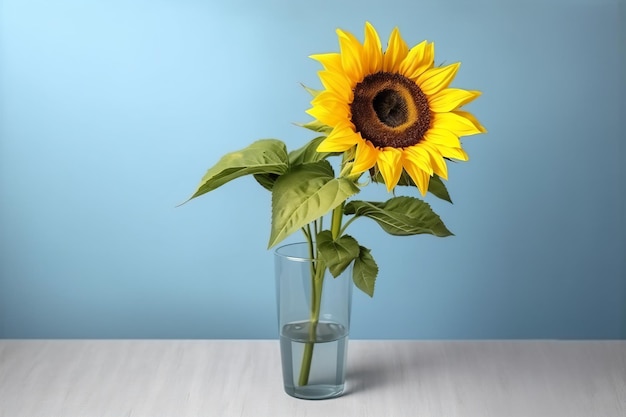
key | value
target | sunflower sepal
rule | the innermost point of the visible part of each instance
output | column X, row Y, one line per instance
column 436, row 186
column 400, row 216
column 312, row 91
column 303, row 194
column 316, row 126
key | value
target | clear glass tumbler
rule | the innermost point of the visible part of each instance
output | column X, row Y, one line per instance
column 314, row 323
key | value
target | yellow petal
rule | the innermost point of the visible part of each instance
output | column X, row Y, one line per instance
column 450, row 98
column 397, row 50
column 329, row 117
column 436, row 160
column 390, row 166
column 418, row 157
column 365, row 157
column 472, row 119
column 456, row 153
column 443, row 137
column 351, row 55
column 458, row 122
column 338, row 83
column 332, row 101
column 436, row 79
column 419, row 177
column 372, row 50
column 331, row 61
column 339, row 140
column 429, row 55
column 416, row 61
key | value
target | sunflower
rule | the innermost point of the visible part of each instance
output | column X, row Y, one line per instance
column 393, row 109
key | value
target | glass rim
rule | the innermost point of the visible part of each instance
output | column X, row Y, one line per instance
column 279, row 252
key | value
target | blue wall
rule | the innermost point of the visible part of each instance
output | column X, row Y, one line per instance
column 111, row 111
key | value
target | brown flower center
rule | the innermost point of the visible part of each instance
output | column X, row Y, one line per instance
column 390, row 110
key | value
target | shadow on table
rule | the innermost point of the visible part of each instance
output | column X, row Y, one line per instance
column 384, row 371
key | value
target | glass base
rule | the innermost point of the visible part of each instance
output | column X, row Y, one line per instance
column 315, row 392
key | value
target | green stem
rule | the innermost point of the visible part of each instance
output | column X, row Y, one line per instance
column 345, row 226
column 316, row 300
column 335, row 225
column 318, row 270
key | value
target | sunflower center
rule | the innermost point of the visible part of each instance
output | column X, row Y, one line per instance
column 390, row 110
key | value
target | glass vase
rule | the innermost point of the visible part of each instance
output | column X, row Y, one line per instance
column 313, row 322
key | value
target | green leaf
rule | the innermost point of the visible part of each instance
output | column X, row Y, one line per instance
column 401, row 216
column 435, row 186
column 365, row 271
column 304, row 155
column 337, row 254
column 265, row 156
column 308, row 153
column 305, row 193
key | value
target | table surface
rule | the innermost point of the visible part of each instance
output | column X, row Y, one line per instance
column 223, row 378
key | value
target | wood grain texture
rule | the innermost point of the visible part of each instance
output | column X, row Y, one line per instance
column 223, row 378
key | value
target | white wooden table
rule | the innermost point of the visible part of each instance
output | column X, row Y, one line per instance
column 223, row 378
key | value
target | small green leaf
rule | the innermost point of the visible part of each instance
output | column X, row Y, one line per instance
column 435, row 186
column 308, row 153
column 401, row 216
column 365, row 271
column 305, row 193
column 304, row 155
column 266, row 156
column 337, row 254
